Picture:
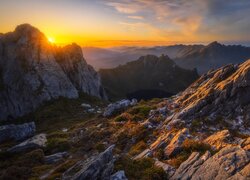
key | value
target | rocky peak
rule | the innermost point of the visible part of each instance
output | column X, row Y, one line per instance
column 33, row 71
column 25, row 34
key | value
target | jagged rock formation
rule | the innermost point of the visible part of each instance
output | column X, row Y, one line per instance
column 213, row 56
column 96, row 167
column 33, row 71
column 218, row 96
column 17, row 132
column 149, row 72
column 229, row 163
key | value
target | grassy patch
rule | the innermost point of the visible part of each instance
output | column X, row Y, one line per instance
column 123, row 117
column 140, row 112
column 136, row 149
column 143, row 169
column 55, row 145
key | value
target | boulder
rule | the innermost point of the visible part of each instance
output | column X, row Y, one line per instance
column 119, row 175
column 174, row 146
column 54, row 158
column 166, row 167
column 96, row 167
column 17, row 132
column 118, row 106
column 85, row 105
column 219, row 139
column 38, row 141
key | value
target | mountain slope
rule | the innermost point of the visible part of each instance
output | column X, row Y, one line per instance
column 33, row 71
column 213, row 56
column 147, row 73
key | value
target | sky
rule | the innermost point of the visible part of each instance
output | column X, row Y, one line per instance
column 106, row 23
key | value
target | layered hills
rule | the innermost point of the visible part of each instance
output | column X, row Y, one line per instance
column 213, row 56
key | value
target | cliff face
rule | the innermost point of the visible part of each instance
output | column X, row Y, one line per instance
column 33, row 71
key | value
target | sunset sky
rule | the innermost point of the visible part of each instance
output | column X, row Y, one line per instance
column 131, row 22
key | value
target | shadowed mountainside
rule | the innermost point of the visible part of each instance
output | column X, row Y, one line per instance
column 148, row 72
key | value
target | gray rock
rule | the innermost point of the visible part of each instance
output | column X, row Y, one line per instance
column 33, row 71
column 119, row 175
column 175, row 144
column 38, row 141
column 166, row 167
column 188, row 168
column 84, row 105
column 231, row 162
column 118, row 106
column 96, row 167
column 17, row 132
column 54, row 158
column 145, row 153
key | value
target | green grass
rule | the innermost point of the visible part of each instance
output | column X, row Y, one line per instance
column 143, row 169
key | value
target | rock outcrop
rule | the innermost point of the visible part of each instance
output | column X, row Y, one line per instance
column 17, row 132
column 33, row 71
column 118, row 106
column 96, row 167
column 229, row 163
column 38, row 141
column 54, row 158
column 221, row 97
column 174, row 146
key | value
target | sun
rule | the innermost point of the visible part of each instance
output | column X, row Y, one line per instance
column 51, row 39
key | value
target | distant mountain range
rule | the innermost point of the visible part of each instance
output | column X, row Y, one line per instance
column 149, row 75
column 201, row 57
column 213, row 56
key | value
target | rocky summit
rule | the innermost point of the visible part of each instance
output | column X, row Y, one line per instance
column 33, row 71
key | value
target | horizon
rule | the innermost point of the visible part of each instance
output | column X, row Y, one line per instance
column 109, row 23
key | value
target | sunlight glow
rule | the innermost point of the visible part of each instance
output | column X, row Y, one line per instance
column 51, row 40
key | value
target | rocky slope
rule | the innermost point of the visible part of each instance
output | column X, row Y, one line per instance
column 201, row 133
column 33, row 71
column 213, row 56
column 148, row 73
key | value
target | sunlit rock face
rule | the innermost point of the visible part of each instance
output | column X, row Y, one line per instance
column 219, row 95
column 33, row 71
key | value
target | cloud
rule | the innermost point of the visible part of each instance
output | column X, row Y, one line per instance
column 136, row 17
column 191, row 19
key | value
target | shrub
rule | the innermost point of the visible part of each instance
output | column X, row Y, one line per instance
column 136, row 149
column 140, row 169
column 123, row 117
column 100, row 147
column 141, row 110
column 177, row 160
column 15, row 173
column 31, row 159
column 159, row 154
column 190, row 146
column 55, row 145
